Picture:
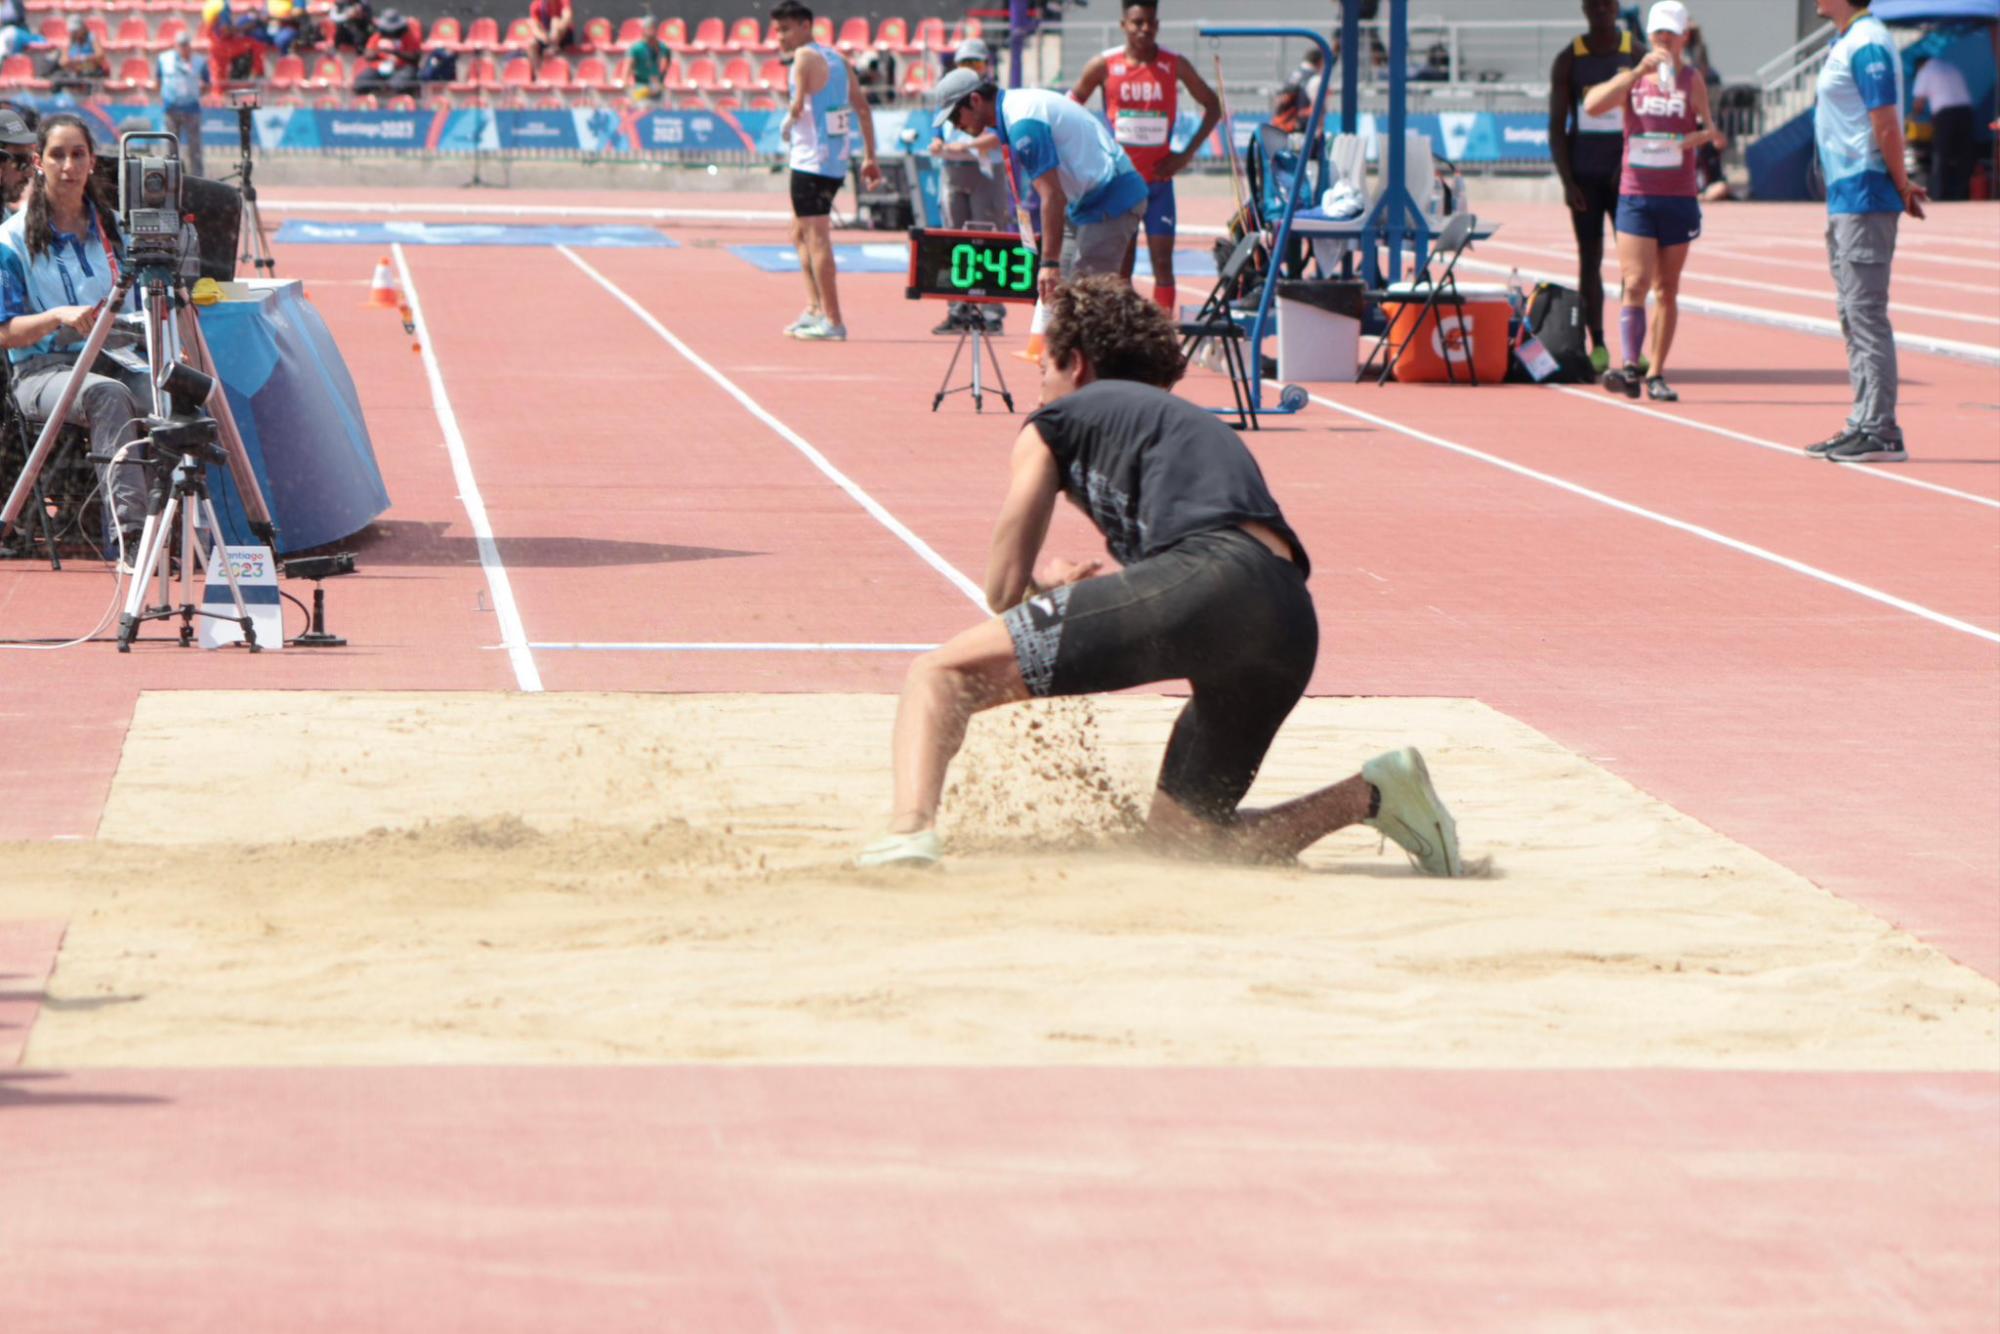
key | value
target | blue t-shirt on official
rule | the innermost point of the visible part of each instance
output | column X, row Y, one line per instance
column 1862, row 73
column 74, row 271
column 1046, row 132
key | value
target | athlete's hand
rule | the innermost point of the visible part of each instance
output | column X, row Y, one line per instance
column 1056, row 572
column 871, row 173
column 1045, row 285
column 1652, row 61
column 1573, row 195
column 785, row 127
column 1173, row 164
column 936, row 149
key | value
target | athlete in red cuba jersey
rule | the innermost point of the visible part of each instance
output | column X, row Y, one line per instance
column 1142, row 83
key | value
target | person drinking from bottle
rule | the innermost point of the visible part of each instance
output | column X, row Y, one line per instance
column 1667, row 119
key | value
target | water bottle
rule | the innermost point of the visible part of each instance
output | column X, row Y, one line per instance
column 1517, row 296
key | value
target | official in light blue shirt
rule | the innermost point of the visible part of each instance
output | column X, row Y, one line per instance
column 1090, row 193
column 183, row 78
column 1858, row 133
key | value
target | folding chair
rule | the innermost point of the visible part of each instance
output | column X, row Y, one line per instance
column 1215, row 321
column 1436, row 292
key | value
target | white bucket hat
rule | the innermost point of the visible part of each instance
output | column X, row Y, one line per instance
column 1668, row 16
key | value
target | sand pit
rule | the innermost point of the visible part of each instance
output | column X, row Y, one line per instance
column 293, row 878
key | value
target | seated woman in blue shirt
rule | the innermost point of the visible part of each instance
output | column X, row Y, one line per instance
column 59, row 260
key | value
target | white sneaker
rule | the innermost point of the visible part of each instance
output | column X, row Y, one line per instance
column 822, row 332
column 918, row 849
column 1411, row 813
column 805, row 317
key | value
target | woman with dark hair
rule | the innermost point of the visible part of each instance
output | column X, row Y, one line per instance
column 59, row 259
column 1212, row 591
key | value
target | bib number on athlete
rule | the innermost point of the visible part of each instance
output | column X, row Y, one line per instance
column 840, row 123
column 1143, row 129
column 1611, row 122
column 1657, row 152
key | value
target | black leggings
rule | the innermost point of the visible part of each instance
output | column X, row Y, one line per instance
column 1217, row 610
column 1600, row 202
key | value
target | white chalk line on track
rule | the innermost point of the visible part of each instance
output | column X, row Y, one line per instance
column 1777, row 289
column 649, row 646
column 840, row 479
column 1681, row 525
column 1559, row 247
column 513, row 637
column 1695, row 424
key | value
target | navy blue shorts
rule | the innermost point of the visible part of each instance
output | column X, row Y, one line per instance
column 1669, row 219
column 1160, row 208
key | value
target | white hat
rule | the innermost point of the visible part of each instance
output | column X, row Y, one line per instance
column 972, row 48
column 1668, row 16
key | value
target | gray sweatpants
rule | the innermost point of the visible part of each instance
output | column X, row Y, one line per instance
column 1860, row 248
column 973, row 196
column 186, row 125
column 111, row 409
column 1099, row 247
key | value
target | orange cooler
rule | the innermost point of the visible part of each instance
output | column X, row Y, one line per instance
column 1487, row 316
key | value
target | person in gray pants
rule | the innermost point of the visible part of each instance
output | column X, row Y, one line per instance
column 1858, row 131
column 975, row 190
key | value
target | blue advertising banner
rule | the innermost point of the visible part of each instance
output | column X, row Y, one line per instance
column 538, row 130
column 375, row 130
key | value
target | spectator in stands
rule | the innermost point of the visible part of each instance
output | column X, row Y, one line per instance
column 79, row 66
column 1589, row 152
column 17, row 32
column 649, row 63
column 1437, row 65
column 183, row 77
column 353, row 25
column 54, row 279
column 389, row 65
column 552, row 28
column 1306, row 77
column 288, row 27
column 235, row 45
column 17, row 159
column 1940, row 93
column 975, row 192
column 1858, row 130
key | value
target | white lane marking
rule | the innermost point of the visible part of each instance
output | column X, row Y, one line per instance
column 1682, row 525
column 662, row 646
column 513, row 637
column 1880, row 474
column 1560, row 247
column 1812, row 324
column 1802, row 293
column 531, row 211
column 840, row 479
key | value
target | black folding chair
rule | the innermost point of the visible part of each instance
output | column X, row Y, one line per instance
column 1439, row 292
column 1215, row 321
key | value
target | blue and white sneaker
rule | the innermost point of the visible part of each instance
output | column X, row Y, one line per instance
column 1411, row 813
column 806, row 317
column 821, row 331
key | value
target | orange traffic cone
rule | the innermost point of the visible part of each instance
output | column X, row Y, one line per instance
column 382, row 288
column 1033, row 351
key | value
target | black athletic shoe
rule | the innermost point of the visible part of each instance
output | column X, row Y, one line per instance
column 1862, row 447
column 1624, row 380
column 1831, row 443
column 1660, row 391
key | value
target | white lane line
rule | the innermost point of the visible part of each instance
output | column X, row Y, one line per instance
column 1802, row 293
column 1879, row 474
column 1560, row 247
column 840, row 479
column 646, row 646
column 1812, row 324
column 513, row 637
column 1682, row 525
column 531, row 211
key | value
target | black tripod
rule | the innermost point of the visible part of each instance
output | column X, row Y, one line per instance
column 256, row 246
column 976, row 333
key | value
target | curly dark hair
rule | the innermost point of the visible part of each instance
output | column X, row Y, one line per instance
column 40, row 235
column 1122, row 334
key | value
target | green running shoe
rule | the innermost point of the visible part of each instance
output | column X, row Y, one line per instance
column 1411, row 813
column 1600, row 359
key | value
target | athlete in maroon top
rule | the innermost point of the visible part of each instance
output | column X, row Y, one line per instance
column 1664, row 103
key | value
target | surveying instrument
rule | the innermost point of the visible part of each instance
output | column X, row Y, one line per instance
column 256, row 247
column 182, row 380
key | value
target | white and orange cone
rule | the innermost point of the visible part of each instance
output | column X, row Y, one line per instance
column 382, row 288
column 1040, row 326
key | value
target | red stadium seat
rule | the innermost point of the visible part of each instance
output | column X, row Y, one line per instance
column 596, row 33
column 918, row 79
column 484, row 34
column 727, row 103
column 446, row 32
column 710, row 35
column 132, row 36
column 702, row 75
column 853, row 35
column 289, row 72
column 100, row 31
column 474, row 74
column 674, row 36
column 893, row 35
column 18, row 71
column 765, row 102
column 328, row 74
column 167, row 33
column 776, row 75
column 135, row 74
column 675, row 78
column 738, row 76
column 518, row 73
column 55, row 31
column 629, row 33
column 554, row 73
column 519, row 35
column 592, row 76
column 823, row 30
column 692, row 102
column 402, row 102
column 747, row 38
column 929, row 36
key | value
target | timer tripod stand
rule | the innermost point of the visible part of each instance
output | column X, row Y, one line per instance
column 973, row 332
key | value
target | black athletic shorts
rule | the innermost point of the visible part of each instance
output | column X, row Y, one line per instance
column 812, row 193
column 1600, row 196
column 1217, row 610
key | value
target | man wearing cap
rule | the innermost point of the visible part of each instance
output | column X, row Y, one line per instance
column 1092, row 197
column 182, row 79
column 17, row 160
column 975, row 191
column 1858, row 128
column 389, row 65
column 1142, row 82
column 78, row 66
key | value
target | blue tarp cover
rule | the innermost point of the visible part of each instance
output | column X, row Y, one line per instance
column 300, row 231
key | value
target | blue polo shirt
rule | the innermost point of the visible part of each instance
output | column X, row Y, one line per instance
column 1047, row 132
column 1862, row 73
column 72, row 272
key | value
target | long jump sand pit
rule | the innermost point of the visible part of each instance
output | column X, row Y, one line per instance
column 295, row 878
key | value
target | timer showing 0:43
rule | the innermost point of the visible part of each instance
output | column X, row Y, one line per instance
column 1011, row 269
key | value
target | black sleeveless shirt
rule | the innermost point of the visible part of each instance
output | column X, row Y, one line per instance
column 1597, row 147
column 1151, row 469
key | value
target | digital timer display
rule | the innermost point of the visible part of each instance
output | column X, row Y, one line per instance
column 971, row 266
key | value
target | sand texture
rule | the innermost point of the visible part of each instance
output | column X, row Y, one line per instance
column 296, row 878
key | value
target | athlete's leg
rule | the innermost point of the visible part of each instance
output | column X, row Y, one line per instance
column 1589, row 228
column 801, row 249
column 1160, row 224
column 1666, row 315
column 819, row 249
column 975, row 671
column 1638, row 259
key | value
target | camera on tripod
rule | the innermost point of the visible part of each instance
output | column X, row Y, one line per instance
column 149, row 195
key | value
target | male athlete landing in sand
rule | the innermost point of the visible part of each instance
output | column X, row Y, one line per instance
column 1213, row 591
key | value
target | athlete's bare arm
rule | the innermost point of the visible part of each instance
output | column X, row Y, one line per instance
column 1090, row 80
column 809, row 75
column 1559, row 129
column 1023, row 523
column 857, row 98
column 1211, row 116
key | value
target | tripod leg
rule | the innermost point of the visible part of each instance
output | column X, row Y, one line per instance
column 978, row 341
column 993, row 354
column 152, row 545
column 221, row 556
column 48, row 526
column 944, row 385
column 240, row 470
